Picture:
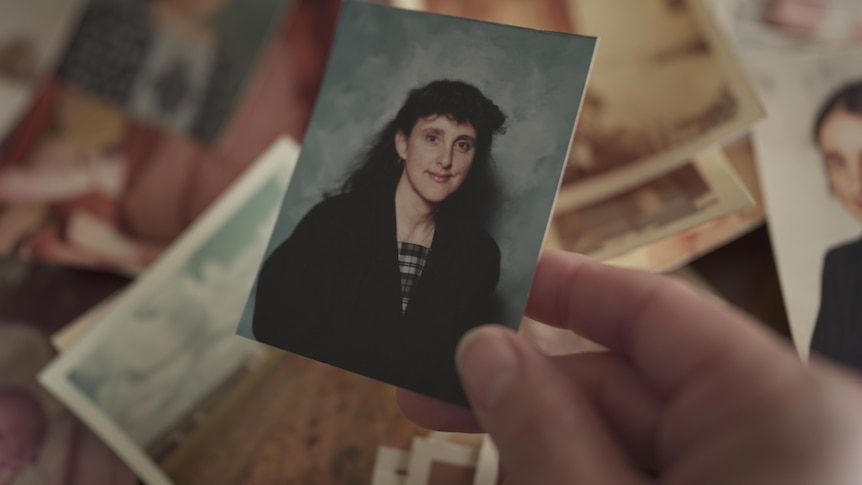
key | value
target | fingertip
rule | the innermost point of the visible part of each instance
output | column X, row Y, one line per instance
column 488, row 364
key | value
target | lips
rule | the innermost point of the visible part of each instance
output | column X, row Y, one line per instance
column 440, row 178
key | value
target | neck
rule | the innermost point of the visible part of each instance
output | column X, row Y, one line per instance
column 414, row 216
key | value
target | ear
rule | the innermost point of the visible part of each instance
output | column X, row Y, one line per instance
column 401, row 144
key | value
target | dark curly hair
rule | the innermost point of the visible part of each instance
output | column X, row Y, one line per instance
column 849, row 97
column 379, row 168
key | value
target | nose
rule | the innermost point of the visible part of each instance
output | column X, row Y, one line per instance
column 445, row 158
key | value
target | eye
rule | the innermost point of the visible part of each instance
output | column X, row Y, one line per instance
column 835, row 161
column 432, row 138
column 464, row 145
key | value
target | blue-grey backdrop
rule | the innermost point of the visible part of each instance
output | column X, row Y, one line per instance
column 380, row 53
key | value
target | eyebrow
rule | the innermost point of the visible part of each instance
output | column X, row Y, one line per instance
column 440, row 131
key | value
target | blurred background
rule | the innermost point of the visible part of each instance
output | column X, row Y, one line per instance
column 123, row 121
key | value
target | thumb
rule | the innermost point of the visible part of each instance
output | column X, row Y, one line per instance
column 546, row 429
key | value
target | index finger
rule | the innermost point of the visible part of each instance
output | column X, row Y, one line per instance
column 669, row 331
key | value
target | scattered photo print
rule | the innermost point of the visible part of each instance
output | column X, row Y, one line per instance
column 666, row 85
column 686, row 197
column 42, row 443
column 808, row 154
column 84, row 184
column 791, row 24
column 177, row 64
column 673, row 252
column 147, row 373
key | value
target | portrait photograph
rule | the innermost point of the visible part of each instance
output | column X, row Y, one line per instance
column 145, row 374
column 422, row 194
column 809, row 156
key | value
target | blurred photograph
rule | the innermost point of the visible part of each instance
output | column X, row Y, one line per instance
column 666, row 85
column 838, row 134
column 84, row 184
column 33, row 35
column 697, row 192
column 808, row 156
column 791, row 24
column 450, row 148
column 176, row 64
column 71, row 292
column 146, row 373
column 673, row 252
column 41, row 443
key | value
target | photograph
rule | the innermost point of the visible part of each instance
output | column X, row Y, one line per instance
column 538, row 14
column 666, row 85
column 72, row 292
column 41, row 443
column 176, row 64
column 167, row 344
column 439, row 462
column 83, row 184
column 422, row 194
column 675, row 251
column 33, row 35
column 700, row 191
column 791, row 24
column 808, row 155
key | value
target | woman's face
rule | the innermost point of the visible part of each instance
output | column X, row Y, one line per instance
column 841, row 146
column 437, row 157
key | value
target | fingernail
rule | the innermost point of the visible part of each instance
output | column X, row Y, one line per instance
column 488, row 365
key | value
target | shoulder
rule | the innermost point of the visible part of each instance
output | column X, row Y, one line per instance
column 345, row 213
column 338, row 207
column 845, row 254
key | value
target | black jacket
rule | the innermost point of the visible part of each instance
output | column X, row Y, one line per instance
column 332, row 292
column 838, row 333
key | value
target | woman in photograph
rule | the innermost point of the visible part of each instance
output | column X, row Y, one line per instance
column 385, row 277
column 838, row 132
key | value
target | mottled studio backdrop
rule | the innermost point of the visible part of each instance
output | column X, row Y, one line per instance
column 381, row 53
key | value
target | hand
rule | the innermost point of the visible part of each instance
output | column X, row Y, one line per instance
column 691, row 391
